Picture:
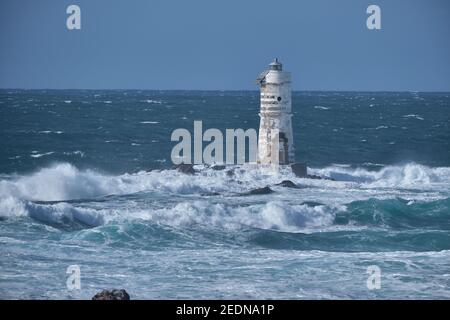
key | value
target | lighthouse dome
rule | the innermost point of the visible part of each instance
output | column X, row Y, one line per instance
column 276, row 65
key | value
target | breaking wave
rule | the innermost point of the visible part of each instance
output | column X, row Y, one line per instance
column 273, row 215
column 410, row 175
column 361, row 225
column 65, row 182
column 58, row 214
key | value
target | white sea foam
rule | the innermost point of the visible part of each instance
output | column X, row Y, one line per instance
column 410, row 175
column 49, row 132
column 65, row 182
column 321, row 107
column 415, row 116
column 39, row 155
column 149, row 122
column 153, row 101
column 75, row 153
column 373, row 164
column 11, row 206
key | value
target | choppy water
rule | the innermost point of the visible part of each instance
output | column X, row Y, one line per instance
column 85, row 179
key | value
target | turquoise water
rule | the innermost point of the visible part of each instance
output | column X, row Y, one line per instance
column 86, row 179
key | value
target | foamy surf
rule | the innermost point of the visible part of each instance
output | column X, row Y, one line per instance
column 64, row 181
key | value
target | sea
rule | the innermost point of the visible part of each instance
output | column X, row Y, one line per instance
column 90, row 200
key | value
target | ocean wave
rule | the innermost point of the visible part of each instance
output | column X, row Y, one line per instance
column 63, row 181
column 398, row 214
column 61, row 214
column 410, row 175
column 369, row 226
column 59, row 182
column 274, row 215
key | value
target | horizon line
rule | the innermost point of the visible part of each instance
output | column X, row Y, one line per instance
column 220, row 90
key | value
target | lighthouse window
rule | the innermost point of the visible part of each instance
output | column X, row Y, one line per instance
column 279, row 98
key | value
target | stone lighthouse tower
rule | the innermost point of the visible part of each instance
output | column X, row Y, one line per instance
column 275, row 141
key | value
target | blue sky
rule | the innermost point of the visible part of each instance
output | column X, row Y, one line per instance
column 209, row 44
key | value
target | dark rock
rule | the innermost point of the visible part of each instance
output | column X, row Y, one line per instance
column 185, row 168
column 230, row 173
column 218, row 167
column 113, row 294
column 209, row 194
column 310, row 176
column 287, row 184
column 258, row 191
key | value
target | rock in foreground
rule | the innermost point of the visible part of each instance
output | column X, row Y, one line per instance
column 114, row 294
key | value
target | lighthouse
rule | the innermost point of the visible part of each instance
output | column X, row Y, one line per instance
column 275, row 138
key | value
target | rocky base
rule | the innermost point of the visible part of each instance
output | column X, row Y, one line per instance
column 185, row 168
column 299, row 169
